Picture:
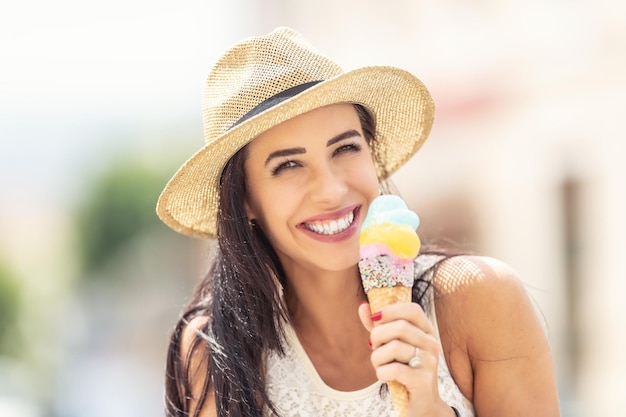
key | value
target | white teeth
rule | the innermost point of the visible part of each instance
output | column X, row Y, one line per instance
column 333, row 226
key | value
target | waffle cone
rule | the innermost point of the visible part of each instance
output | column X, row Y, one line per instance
column 399, row 398
column 381, row 297
column 378, row 298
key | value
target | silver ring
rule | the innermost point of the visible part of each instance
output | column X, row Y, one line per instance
column 415, row 361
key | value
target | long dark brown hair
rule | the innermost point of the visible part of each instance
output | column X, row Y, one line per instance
column 240, row 297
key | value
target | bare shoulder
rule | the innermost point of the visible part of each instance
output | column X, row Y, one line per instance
column 194, row 329
column 493, row 339
column 475, row 275
column 193, row 352
column 195, row 364
column 480, row 296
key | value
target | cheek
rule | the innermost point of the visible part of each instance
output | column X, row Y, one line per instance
column 367, row 180
column 254, row 196
column 269, row 204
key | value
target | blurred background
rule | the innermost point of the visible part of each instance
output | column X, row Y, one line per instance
column 101, row 102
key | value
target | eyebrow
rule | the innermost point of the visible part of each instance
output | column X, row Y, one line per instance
column 299, row 150
column 284, row 152
column 345, row 135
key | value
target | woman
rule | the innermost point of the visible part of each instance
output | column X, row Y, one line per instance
column 296, row 151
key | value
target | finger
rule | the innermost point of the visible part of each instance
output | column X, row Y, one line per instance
column 406, row 332
column 394, row 351
column 401, row 371
column 365, row 315
column 410, row 312
column 397, row 371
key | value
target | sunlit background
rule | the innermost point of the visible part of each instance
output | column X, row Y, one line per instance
column 100, row 103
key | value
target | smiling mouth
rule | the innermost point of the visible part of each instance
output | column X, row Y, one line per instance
column 331, row 227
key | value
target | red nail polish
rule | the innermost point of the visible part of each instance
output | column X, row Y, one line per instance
column 369, row 342
column 362, row 302
column 377, row 316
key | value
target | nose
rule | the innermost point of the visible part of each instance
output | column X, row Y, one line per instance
column 327, row 186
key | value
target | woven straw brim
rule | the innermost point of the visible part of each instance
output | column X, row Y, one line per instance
column 401, row 105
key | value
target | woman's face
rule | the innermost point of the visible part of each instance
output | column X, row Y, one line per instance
column 309, row 183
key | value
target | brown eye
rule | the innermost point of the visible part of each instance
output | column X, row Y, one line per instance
column 284, row 166
column 348, row 147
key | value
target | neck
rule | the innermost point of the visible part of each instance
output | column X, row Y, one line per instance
column 325, row 304
column 324, row 315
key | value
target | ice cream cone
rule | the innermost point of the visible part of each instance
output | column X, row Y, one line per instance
column 389, row 244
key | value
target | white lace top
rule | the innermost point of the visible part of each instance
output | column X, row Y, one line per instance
column 297, row 390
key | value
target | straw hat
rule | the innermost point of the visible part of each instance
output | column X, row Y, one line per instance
column 266, row 80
